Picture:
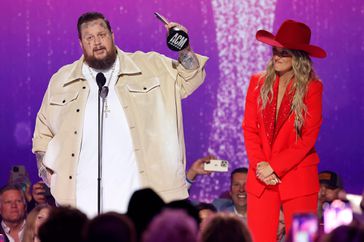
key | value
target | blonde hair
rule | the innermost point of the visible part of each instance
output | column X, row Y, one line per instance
column 303, row 73
column 29, row 230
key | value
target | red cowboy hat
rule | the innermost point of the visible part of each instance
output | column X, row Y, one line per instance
column 292, row 35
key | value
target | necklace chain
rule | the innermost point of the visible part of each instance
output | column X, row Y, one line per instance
column 106, row 106
column 112, row 73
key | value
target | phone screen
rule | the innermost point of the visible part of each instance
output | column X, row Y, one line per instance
column 19, row 175
column 304, row 227
column 337, row 213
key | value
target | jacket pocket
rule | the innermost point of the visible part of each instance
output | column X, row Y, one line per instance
column 63, row 99
column 143, row 86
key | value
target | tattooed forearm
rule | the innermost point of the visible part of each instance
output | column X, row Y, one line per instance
column 43, row 172
column 39, row 156
column 188, row 59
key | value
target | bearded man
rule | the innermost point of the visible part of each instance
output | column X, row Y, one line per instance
column 143, row 143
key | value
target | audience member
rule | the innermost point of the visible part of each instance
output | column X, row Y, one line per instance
column 13, row 212
column 172, row 225
column 330, row 187
column 34, row 220
column 345, row 233
column 144, row 204
column 18, row 176
column 187, row 207
column 225, row 227
column 63, row 225
column 235, row 201
column 237, row 204
column 205, row 210
column 35, row 194
column 110, row 227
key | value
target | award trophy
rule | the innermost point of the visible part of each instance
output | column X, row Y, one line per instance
column 177, row 39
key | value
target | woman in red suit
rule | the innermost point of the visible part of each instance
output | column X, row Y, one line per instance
column 283, row 115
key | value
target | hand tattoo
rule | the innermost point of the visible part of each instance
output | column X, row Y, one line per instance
column 188, row 59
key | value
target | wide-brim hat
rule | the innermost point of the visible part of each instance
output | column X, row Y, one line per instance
column 292, row 35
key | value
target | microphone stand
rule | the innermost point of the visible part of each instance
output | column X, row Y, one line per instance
column 103, row 91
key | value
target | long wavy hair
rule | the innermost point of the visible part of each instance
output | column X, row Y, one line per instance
column 30, row 233
column 303, row 73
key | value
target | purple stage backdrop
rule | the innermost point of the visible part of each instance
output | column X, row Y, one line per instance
column 38, row 37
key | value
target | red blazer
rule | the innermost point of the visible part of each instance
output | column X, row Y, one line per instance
column 293, row 158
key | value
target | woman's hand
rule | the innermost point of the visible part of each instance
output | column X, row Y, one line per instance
column 271, row 180
column 263, row 170
column 266, row 174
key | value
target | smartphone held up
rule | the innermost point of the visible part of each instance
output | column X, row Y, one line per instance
column 304, row 227
column 19, row 176
column 216, row 165
column 336, row 214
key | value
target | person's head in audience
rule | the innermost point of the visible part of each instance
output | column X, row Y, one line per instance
column 224, row 227
column 345, row 233
column 187, row 207
column 34, row 220
column 237, row 189
column 64, row 224
column 144, row 204
column 42, row 216
column 205, row 210
column 330, row 186
column 171, row 225
column 110, row 227
column 12, row 205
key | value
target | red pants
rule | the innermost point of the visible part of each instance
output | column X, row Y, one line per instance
column 263, row 213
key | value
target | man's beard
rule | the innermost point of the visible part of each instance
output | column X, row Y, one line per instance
column 104, row 63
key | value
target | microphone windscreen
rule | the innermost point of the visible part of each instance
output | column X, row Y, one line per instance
column 100, row 79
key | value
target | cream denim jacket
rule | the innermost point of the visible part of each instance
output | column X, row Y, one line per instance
column 150, row 87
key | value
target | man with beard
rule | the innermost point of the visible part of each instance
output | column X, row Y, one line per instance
column 142, row 133
column 12, row 212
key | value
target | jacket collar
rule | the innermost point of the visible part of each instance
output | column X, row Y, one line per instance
column 127, row 67
column 7, row 229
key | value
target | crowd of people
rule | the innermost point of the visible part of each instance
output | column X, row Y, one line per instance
column 150, row 219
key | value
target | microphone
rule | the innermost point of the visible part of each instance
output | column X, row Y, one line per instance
column 100, row 80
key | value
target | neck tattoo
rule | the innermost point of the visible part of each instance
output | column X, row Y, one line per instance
column 106, row 106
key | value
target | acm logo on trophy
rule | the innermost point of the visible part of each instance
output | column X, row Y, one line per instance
column 177, row 39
